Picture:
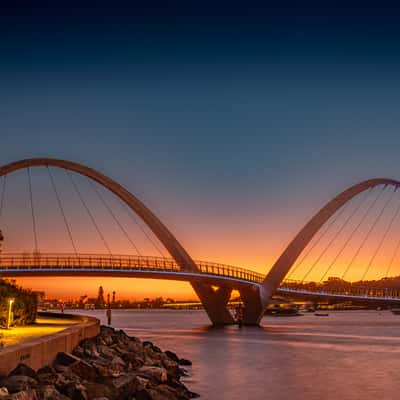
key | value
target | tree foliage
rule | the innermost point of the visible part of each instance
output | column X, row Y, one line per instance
column 24, row 307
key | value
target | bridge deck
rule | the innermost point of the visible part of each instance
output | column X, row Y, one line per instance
column 117, row 265
column 167, row 268
column 355, row 291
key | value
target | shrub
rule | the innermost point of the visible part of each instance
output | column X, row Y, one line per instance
column 24, row 307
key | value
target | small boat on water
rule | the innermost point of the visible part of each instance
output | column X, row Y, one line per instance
column 321, row 314
column 282, row 312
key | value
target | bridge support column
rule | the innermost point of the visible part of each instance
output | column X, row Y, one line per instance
column 215, row 302
column 254, row 305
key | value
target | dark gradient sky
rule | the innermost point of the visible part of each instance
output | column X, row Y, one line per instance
column 233, row 123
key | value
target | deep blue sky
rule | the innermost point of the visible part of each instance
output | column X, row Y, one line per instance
column 228, row 121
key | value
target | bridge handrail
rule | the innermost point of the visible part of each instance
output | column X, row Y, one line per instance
column 348, row 289
column 87, row 260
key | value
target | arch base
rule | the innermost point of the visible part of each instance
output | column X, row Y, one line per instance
column 215, row 302
column 254, row 306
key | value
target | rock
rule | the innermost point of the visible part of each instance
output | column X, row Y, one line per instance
column 111, row 366
column 106, row 335
column 126, row 385
column 90, row 348
column 49, row 392
column 106, row 351
column 79, row 352
column 183, row 361
column 48, row 379
column 66, row 359
column 143, row 394
column 141, row 382
column 164, row 392
column 19, row 383
column 135, row 347
column 152, row 346
column 46, row 370
column 96, row 390
column 103, row 371
column 172, row 356
column 23, row 395
column 157, row 374
column 75, row 391
column 133, row 358
column 22, row 369
column 75, row 364
column 117, row 364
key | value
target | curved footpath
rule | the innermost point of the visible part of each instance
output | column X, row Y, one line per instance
column 89, row 362
column 40, row 345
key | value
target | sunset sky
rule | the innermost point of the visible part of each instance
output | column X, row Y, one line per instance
column 234, row 125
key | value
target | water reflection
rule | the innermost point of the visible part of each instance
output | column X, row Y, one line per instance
column 348, row 355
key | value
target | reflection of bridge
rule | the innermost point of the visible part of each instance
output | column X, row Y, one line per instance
column 213, row 283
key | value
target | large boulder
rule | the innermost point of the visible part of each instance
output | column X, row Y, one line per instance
column 95, row 390
column 49, row 392
column 23, row 395
column 22, row 369
column 19, row 383
column 75, row 391
column 81, row 368
column 155, row 374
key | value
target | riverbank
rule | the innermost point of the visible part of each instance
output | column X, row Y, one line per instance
column 109, row 366
column 286, row 358
column 44, row 325
column 38, row 344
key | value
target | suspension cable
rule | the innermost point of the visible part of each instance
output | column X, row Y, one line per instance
column 151, row 240
column 382, row 239
column 111, row 212
column 308, row 252
column 368, row 233
column 325, row 249
column 393, row 258
column 32, row 210
column 3, row 191
column 53, row 184
column 352, row 233
column 78, row 192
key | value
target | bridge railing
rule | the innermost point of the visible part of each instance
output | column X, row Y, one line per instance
column 348, row 289
column 47, row 261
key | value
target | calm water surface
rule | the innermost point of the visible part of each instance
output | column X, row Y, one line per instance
column 347, row 355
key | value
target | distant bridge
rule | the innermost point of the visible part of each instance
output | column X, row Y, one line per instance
column 356, row 293
column 212, row 282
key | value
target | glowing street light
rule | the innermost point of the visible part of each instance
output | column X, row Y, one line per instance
column 9, row 318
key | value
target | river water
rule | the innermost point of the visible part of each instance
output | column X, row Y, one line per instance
column 346, row 355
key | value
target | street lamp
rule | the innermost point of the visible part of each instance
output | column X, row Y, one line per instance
column 9, row 317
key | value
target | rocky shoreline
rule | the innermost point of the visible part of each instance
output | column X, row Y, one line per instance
column 110, row 366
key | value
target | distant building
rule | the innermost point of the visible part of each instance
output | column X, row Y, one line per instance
column 40, row 297
column 100, row 302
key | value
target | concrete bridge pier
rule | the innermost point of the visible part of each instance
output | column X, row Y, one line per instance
column 254, row 305
column 215, row 303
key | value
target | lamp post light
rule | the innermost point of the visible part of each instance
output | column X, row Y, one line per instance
column 9, row 317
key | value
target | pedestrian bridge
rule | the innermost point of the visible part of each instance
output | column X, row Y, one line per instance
column 350, row 292
column 216, row 274
column 372, row 202
column 14, row 265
